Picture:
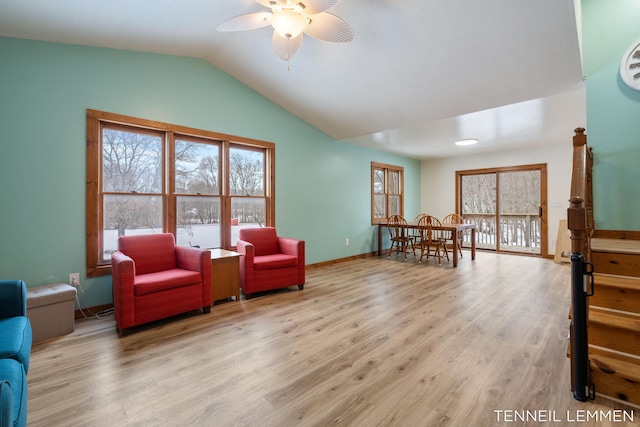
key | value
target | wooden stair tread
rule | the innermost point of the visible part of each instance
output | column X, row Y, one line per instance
column 612, row 280
column 600, row 244
column 615, row 363
column 617, row 263
column 620, row 293
column 617, row 319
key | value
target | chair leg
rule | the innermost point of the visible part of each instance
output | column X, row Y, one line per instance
column 391, row 249
column 301, row 287
column 408, row 244
column 206, row 309
column 428, row 250
column 422, row 246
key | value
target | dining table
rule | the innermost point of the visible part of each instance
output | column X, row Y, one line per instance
column 453, row 228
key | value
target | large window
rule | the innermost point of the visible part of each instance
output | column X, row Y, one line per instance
column 149, row 177
column 387, row 191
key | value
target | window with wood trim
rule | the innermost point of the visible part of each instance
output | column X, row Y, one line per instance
column 152, row 177
column 387, row 191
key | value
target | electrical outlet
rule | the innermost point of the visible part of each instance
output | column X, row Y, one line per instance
column 74, row 279
column 346, row 241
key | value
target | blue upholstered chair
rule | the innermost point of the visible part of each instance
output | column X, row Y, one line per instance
column 6, row 403
column 13, row 394
column 15, row 351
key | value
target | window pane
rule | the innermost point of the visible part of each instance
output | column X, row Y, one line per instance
column 519, row 196
column 125, row 215
column 378, row 181
column 394, row 205
column 520, row 192
column 380, row 206
column 246, row 172
column 479, row 194
column 198, row 221
column 197, row 168
column 246, row 213
column 394, row 182
column 131, row 161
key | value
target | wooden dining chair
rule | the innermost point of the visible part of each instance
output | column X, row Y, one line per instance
column 415, row 233
column 432, row 239
column 455, row 219
column 399, row 236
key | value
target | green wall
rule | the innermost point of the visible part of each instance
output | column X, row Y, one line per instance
column 322, row 185
column 613, row 112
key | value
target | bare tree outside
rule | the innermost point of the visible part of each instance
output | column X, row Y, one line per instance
column 133, row 182
column 246, row 185
column 197, row 177
column 519, row 193
column 479, row 194
column 246, row 172
column 380, row 198
column 132, row 174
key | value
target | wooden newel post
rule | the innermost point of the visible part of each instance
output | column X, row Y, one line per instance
column 579, row 138
column 576, row 221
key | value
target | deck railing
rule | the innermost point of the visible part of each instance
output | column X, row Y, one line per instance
column 514, row 230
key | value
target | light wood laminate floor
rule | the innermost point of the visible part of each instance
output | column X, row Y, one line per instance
column 372, row 342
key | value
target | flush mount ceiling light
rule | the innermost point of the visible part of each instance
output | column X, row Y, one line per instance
column 290, row 20
column 467, row 142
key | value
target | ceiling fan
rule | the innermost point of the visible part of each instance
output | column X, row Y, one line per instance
column 290, row 19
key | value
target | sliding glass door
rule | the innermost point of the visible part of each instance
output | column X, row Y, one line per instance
column 508, row 206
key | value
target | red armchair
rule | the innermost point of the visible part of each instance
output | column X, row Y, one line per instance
column 269, row 261
column 154, row 279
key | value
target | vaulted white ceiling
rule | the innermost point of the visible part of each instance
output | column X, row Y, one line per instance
column 419, row 74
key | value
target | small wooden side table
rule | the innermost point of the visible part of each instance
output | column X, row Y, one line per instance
column 225, row 275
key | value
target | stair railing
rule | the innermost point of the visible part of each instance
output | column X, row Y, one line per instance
column 580, row 225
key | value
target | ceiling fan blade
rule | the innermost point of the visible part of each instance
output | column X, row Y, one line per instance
column 250, row 21
column 310, row 7
column 329, row 27
column 286, row 48
column 313, row 7
column 272, row 3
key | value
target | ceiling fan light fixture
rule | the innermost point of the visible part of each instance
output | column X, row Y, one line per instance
column 289, row 20
column 288, row 24
column 467, row 141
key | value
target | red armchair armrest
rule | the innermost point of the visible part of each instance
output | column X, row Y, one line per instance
column 123, row 272
column 196, row 259
column 296, row 248
column 246, row 261
column 291, row 246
